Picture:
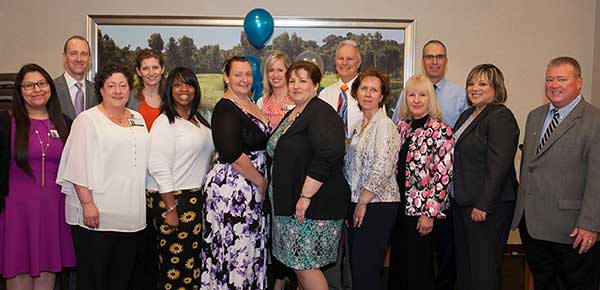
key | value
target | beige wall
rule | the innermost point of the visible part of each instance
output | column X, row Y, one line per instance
column 518, row 36
column 596, row 75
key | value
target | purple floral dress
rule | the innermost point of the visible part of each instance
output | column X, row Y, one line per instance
column 235, row 229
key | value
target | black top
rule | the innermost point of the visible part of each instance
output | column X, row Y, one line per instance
column 312, row 146
column 234, row 132
column 401, row 175
column 484, row 154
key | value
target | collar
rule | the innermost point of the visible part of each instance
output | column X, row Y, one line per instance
column 441, row 84
column 564, row 111
column 71, row 81
column 349, row 84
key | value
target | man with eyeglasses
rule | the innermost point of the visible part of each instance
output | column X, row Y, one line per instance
column 453, row 101
column 76, row 94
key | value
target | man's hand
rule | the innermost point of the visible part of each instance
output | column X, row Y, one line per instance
column 586, row 238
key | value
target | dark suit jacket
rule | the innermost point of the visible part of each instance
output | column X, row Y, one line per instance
column 484, row 171
column 66, row 104
column 313, row 146
column 560, row 186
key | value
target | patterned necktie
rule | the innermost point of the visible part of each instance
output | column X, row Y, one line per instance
column 553, row 124
column 342, row 108
column 78, row 105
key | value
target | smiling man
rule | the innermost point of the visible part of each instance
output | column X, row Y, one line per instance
column 452, row 98
column 76, row 94
column 559, row 195
column 347, row 63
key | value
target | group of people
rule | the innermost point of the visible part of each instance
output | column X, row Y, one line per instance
column 140, row 191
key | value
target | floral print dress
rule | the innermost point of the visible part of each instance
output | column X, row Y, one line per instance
column 235, row 228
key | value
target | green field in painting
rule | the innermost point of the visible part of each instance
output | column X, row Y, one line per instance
column 211, row 86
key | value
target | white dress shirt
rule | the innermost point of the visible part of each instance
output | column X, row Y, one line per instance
column 73, row 88
column 331, row 95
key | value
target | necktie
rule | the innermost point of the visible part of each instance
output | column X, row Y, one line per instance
column 78, row 105
column 342, row 108
column 553, row 124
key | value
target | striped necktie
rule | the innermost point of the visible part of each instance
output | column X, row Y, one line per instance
column 553, row 124
column 342, row 108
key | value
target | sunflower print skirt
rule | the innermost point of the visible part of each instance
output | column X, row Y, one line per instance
column 179, row 251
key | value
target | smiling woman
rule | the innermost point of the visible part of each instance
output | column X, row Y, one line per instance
column 233, row 213
column 102, row 172
column 150, row 71
column 180, row 156
column 35, row 241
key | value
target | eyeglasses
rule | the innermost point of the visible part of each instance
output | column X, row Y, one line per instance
column 30, row 86
column 437, row 57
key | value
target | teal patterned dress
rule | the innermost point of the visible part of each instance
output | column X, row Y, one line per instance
column 305, row 246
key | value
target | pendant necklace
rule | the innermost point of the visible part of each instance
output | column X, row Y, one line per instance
column 44, row 148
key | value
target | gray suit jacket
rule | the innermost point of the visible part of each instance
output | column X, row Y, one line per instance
column 66, row 104
column 560, row 187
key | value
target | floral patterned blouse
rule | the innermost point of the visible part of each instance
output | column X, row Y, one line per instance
column 428, row 167
column 371, row 159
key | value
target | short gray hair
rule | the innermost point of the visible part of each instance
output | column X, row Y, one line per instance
column 349, row 42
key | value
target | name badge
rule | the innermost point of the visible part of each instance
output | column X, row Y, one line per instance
column 136, row 122
column 54, row 133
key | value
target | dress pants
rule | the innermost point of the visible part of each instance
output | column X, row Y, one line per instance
column 480, row 246
column 104, row 259
column 559, row 266
column 368, row 244
column 443, row 239
column 145, row 271
column 411, row 256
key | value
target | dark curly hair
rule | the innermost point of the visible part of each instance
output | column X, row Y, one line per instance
column 108, row 70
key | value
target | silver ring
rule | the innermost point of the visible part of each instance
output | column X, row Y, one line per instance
column 589, row 241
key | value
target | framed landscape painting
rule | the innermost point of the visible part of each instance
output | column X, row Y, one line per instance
column 204, row 43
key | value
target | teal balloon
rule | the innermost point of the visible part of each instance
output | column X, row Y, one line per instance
column 258, row 25
column 257, row 86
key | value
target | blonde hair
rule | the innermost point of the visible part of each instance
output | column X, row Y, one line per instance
column 271, row 59
column 422, row 81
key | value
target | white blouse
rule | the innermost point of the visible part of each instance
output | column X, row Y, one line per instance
column 111, row 161
column 371, row 159
column 180, row 155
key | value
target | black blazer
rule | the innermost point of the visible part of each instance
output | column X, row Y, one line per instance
column 313, row 146
column 5, row 152
column 484, row 171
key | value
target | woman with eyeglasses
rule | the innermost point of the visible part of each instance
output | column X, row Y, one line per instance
column 35, row 240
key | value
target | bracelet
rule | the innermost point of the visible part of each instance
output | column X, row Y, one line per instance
column 172, row 208
column 362, row 202
column 302, row 195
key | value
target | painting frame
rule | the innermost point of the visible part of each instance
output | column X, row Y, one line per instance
column 94, row 22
